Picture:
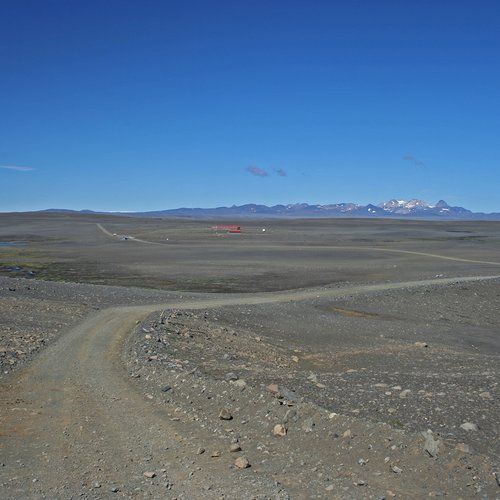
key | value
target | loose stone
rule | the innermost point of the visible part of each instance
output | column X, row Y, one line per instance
column 308, row 425
column 431, row 445
column 421, row 344
column 468, row 426
column 242, row 463
column 279, row 430
column 225, row 414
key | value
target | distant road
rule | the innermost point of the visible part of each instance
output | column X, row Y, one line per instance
column 130, row 238
column 371, row 249
column 423, row 254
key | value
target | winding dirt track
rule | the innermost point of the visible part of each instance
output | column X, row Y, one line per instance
column 72, row 415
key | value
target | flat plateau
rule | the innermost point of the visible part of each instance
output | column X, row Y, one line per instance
column 315, row 359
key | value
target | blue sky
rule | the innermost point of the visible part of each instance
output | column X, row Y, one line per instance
column 128, row 105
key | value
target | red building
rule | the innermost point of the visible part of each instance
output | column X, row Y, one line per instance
column 228, row 229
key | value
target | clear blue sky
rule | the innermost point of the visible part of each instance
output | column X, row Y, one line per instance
column 144, row 105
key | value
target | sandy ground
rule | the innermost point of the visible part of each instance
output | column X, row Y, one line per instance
column 369, row 371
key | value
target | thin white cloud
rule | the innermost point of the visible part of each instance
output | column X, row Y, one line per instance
column 19, row 168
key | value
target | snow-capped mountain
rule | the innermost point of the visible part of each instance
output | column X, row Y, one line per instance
column 394, row 208
column 420, row 207
column 404, row 206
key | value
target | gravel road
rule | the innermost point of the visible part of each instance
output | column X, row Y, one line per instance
column 76, row 422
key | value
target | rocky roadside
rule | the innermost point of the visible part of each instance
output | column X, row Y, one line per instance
column 245, row 391
column 33, row 313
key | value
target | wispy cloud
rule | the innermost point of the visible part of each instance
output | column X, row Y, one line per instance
column 414, row 160
column 257, row 171
column 408, row 158
column 17, row 167
column 280, row 172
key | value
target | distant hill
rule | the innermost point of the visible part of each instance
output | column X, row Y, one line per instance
column 401, row 209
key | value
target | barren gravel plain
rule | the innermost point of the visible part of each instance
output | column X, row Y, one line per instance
column 344, row 359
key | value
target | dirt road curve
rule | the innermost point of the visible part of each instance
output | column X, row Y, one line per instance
column 72, row 417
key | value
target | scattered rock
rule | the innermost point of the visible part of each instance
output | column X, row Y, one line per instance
column 279, row 430
column 421, row 344
column 308, row 425
column 235, row 447
column 228, row 377
column 288, row 395
column 273, row 388
column 347, row 434
column 225, row 414
column 396, row 469
column 215, row 454
column 404, row 393
column 149, row 474
column 242, row 463
column 200, row 451
column 431, row 445
column 469, row 426
column 240, row 384
column 166, row 388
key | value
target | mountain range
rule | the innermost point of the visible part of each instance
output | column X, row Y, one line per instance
column 413, row 208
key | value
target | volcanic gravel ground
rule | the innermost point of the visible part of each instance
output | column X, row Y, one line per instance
column 338, row 441
column 417, row 360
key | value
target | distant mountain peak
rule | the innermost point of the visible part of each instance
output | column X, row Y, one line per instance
column 442, row 204
column 395, row 208
column 403, row 204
